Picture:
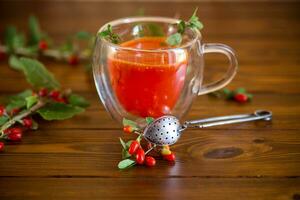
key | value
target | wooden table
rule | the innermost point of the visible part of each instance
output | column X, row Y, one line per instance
column 77, row 158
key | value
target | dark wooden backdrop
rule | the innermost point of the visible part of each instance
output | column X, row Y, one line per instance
column 77, row 158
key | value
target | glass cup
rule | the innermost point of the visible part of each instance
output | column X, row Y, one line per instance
column 143, row 77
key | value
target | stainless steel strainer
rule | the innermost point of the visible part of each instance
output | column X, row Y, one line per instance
column 166, row 130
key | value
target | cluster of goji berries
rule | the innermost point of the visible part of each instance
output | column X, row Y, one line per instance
column 15, row 133
column 239, row 95
column 55, row 95
column 73, row 59
column 141, row 157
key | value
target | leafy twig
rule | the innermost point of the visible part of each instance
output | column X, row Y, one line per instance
column 193, row 23
column 109, row 34
column 49, row 102
column 38, row 43
column 20, row 116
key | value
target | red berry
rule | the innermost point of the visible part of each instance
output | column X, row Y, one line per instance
column 1, row 146
column 242, row 98
column 127, row 129
column 43, row 92
column 15, row 136
column 2, row 55
column 15, row 130
column 170, row 157
column 60, row 100
column 54, row 94
column 2, row 110
column 15, row 111
column 140, row 156
column 133, row 147
column 73, row 60
column 150, row 161
column 43, row 45
column 27, row 122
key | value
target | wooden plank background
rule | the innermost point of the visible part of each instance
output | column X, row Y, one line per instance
column 77, row 158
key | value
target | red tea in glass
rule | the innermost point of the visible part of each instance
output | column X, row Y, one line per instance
column 141, row 76
column 147, row 83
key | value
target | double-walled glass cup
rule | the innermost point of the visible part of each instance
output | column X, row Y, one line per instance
column 143, row 77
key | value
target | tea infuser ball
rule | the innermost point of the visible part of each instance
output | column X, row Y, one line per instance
column 166, row 130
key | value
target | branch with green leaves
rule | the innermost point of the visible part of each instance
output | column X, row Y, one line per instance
column 47, row 100
column 239, row 95
column 193, row 23
column 38, row 43
column 155, row 30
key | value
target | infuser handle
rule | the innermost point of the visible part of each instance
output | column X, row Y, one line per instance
column 231, row 119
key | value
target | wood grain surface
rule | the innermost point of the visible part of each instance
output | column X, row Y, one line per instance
column 77, row 158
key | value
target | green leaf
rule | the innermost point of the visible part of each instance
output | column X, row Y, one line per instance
column 228, row 93
column 149, row 120
column 18, row 101
column 139, row 138
column 31, row 49
column 194, row 15
column 19, row 41
column 30, row 101
column 125, row 154
column 126, row 163
column 127, row 122
column 83, row 35
column 35, row 33
column 3, row 119
column 104, row 33
column 37, row 75
column 108, row 33
column 128, row 144
column 181, row 27
column 240, row 91
column 155, row 30
column 194, row 21
column 21, row 95
column 174, row 39
column 15, row 63
column 196, row 25
column 77, row 100
column 9, row 37
column 122, row 143
column 12, row 39
column 15, row 104
column 59, row 111
column 250, row 96
column 67, row 46
column 109, row 28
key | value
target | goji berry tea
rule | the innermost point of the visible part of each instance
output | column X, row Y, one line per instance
column 147, row 83
column 153, row 66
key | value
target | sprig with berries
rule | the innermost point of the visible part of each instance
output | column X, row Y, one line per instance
column 46, row 100
column 133, row 152
column 38, row 43
column 239, row 95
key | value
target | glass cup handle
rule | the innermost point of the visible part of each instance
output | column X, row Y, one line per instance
column 229, row 75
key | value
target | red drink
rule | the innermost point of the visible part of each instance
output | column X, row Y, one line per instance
column 147, row 83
